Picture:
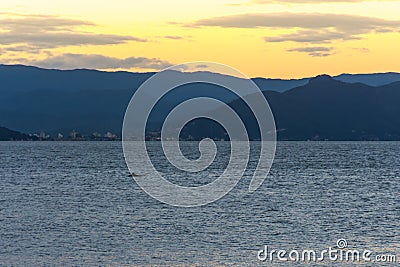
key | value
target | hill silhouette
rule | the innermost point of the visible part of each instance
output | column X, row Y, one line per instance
column 34, row 99
column 7, row 135
column 321, row 108
column 325, row 109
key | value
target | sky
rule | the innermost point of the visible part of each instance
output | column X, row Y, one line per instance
column 260, row 38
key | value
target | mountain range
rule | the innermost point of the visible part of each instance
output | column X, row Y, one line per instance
column 323, row 109
column 345, row 107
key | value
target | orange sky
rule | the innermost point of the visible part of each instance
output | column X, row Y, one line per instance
column 283, row 38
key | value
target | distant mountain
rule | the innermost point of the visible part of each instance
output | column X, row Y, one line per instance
column 55, row 101
column 19, row 78
column 326, row 109
column 334, row 110
column 376, row 79
column 34, row 100
column 279, row 85
column 7, row 135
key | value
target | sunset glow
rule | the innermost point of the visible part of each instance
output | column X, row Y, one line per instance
column 285, row 39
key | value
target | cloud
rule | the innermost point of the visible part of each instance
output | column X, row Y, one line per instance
column 313, row 36
column 315, row 51
column 173, row 37
column 202, row 66
column 310, row 49
column 362, row 49
column 93, row 61
column 25, row 38
column 47, row 32
column 298, row 20
column 60, row 39
column 21, row 48
column 319, row 54
column 308, row 27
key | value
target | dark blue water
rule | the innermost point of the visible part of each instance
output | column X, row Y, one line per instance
column 73, row 204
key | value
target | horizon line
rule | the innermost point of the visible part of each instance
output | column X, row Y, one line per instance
column 148, row 72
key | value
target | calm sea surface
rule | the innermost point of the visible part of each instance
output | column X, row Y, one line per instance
column 73, row 204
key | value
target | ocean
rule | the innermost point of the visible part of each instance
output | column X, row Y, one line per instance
column 75, row 204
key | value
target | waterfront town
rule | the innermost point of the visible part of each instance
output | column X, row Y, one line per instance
column 75, row 136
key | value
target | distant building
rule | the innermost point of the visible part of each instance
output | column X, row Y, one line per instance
column 74, row 134
column 43, row 135
column 97, row 135
column 110, row 135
